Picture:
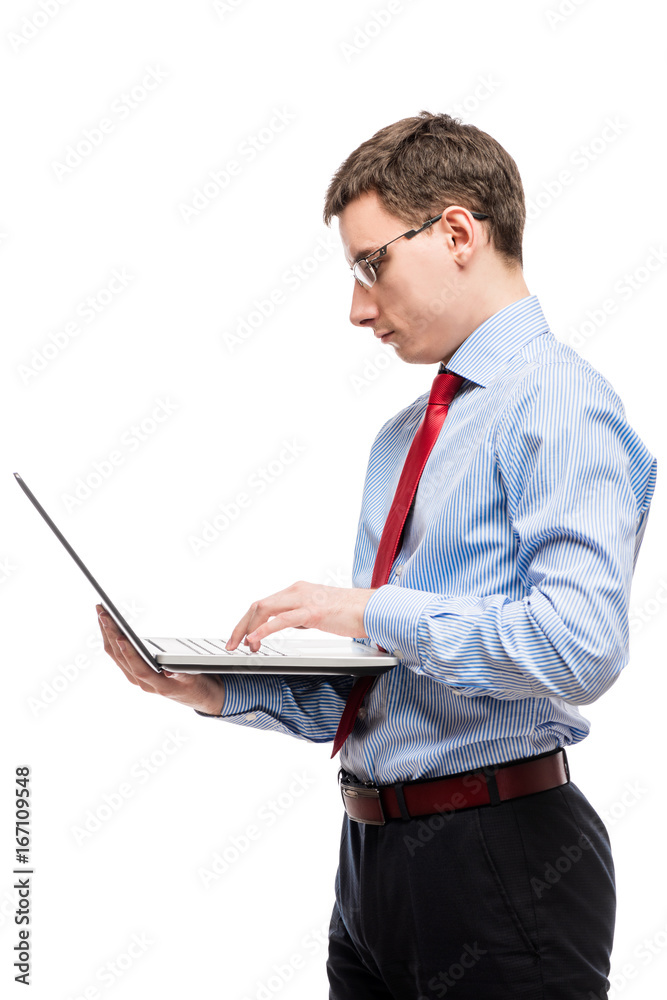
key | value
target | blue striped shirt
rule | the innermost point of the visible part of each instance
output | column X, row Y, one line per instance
column 508, row 599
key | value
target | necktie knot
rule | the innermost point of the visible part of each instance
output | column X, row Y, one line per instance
column 444, row 388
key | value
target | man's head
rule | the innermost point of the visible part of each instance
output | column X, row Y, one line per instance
column 432, row 289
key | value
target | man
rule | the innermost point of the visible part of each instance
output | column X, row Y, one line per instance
column 469, row 861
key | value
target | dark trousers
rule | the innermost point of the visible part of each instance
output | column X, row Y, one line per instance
column 489, row 903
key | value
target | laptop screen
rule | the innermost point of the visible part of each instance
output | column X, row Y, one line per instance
column 106, row 602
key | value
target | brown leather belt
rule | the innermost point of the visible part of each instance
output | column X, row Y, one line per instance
column 375, row 804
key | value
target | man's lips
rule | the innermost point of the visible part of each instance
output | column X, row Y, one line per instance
column 381, row 336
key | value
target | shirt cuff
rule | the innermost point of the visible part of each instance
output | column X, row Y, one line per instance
column 244, row 692
column 391, row 619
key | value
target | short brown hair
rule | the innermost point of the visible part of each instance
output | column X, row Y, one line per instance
column 418, row 166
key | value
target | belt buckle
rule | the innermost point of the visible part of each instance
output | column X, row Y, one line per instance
column 353, row 794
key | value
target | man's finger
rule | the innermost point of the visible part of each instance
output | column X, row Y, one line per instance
column 106, row 640
column 123, row 653
column 256, row 614
column 137, row 670
column 288, row 619
column 115, row 654
column 260, row 612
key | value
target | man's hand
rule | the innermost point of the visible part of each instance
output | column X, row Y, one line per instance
column 204, row 692
column 304, row 605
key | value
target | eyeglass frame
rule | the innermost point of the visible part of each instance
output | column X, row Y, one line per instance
column 409, row 235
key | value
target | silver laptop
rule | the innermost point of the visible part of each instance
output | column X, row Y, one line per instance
column 209, row 656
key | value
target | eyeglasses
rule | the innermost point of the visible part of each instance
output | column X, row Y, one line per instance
column 363, row 269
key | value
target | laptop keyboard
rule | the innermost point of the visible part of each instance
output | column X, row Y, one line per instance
column 215, row 646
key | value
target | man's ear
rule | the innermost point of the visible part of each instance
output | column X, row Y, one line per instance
column 458, row 228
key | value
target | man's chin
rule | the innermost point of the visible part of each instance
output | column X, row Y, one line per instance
column 412, row 357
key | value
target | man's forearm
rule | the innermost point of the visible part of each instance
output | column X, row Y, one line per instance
column 307, row 708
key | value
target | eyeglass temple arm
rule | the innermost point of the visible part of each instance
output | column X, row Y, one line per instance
column 414, row 232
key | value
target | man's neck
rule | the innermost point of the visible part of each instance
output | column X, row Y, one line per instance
column 499, row 291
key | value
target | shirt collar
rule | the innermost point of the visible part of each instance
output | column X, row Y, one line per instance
column 486, row 351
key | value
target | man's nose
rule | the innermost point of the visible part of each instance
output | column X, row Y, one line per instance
column 364, row 310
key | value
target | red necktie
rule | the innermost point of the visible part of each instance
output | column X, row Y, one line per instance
column 443, row 390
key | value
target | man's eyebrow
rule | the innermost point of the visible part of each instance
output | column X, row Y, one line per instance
column 360, row 254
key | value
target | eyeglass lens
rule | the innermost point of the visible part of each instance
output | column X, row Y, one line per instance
column 364, row 272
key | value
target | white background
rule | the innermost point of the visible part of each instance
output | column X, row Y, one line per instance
column 544, row 85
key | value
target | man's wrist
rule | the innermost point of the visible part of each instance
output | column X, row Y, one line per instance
column 213, row 706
